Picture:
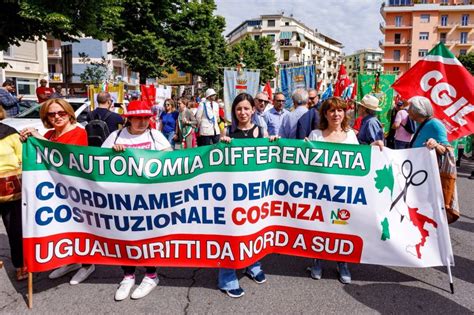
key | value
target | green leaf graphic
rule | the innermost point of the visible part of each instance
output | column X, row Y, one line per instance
column 385, row 230
column 384, row 179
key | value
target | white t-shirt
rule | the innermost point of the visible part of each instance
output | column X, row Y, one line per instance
column 317, row 135
column 142, row 141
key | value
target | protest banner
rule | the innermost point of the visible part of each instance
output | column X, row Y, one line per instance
column 447, row 84
column 238, row 81
column 292, row 78
column 229, row 205
column 378, row 85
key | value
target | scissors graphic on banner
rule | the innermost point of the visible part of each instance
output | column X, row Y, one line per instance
column 414, row 179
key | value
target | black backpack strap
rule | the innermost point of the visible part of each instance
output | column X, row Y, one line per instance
column 118, row 135
column 417, row 132
column 109, row 113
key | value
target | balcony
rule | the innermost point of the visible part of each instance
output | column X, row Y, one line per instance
column 382, row 27
column 55, row 77
column 54, row 52
column 464, row 26
column 466, row 43
column 395, row 27
column 394, row 44
column 286, row 43
column 395, row 61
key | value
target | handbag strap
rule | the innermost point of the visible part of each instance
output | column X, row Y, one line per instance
column 417, row 132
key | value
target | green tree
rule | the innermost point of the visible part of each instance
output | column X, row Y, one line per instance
column 65, row 20
column 468, row 62
column 196, row 39
column 255, row 54
column 95, row 72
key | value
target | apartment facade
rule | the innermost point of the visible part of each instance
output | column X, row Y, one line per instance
column 363, row 61
column 412, row 28
column 294, row 43
column 27, row 64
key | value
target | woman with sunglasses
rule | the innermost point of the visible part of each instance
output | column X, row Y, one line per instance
column 59, row 115
column 168, row 120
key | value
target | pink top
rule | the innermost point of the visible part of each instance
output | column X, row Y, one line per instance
column 401, row 134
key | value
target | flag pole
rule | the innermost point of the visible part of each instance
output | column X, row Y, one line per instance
column 451, row 284
column 30, row 290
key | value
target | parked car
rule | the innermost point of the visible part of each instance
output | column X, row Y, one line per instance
column 26, row 104
column 31, row 118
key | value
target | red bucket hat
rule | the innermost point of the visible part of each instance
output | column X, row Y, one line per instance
column 138, row 109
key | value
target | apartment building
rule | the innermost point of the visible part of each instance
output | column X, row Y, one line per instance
column 294, row 43
column 413, row 27
column 27, row 64
column 363, row 61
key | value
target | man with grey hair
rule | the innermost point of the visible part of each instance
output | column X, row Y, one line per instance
column 310, row 120
column 288, row 124
column 261, row 102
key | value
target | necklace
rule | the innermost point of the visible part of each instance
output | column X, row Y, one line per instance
column 246, row 131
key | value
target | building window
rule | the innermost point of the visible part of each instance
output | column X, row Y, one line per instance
column 398, row 21
column 256, row 37
column 287, row 23
column 396, row 69
column 397, row 38
column 272, row 37
column 423, row 1
column 396, row 55
column 465, row 20
column 25, row 86
column 462, row 52
column 444, row 2
column 463, row 37
column 271, row 23
column 422, row 52
column 442, row 37
column 286, row 55
column 424, row 18
column 424, row 35
column 444, row 20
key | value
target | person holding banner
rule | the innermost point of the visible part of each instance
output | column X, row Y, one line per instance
column 59, row 115
column 10, row 193
column 137, row 134
column 243, row 127
column 430, row 132
column 333, row 127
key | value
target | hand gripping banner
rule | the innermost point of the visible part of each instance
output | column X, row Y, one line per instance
column 229, row 205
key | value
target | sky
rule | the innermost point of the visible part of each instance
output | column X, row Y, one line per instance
column 354, row 23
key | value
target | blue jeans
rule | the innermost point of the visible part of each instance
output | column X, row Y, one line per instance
column 169, row 136
column 401, row 144
column 227, row 279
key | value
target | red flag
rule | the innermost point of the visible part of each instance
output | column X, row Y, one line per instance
column 148, row 94
column 268, row 89
column 342, row 81
column 318, row 85
column 442, row 79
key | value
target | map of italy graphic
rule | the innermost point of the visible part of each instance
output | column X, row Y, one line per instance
column 385, row 179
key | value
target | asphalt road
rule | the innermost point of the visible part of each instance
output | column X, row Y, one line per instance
column 374, row 289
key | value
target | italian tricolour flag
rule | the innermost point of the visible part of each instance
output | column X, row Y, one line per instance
column 450, row 87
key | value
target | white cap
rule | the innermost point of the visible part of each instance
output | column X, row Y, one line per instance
column 210, row 92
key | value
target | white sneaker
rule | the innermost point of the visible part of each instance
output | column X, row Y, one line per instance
column 82, row 274
column 124, row 289
column 145, row 287
column 61, row 271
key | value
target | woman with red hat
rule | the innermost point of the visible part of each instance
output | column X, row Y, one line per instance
column 137, row 134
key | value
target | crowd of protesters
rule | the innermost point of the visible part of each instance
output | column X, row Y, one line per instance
column 186, row 123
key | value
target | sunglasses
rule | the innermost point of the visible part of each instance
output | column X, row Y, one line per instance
column 262, row 101
column 312, row 98
column 280, row 101
column 60, row 113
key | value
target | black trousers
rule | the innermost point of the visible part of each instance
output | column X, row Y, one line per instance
column 130, row 270
column 207, row 140
column 11, row 216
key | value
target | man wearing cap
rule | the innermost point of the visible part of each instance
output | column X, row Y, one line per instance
column 310, row 120
column 207, row 117
column 261, row 102
column 371, row 131
column 43, row 92
column 7, row 100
